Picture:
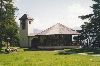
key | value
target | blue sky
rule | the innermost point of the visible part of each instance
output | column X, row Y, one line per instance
column 49, row 12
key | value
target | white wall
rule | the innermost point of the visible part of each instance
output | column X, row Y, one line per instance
column 30, row 27
column 25, row 33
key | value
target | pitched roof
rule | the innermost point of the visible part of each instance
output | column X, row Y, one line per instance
column 58, row 29
column 25, row 16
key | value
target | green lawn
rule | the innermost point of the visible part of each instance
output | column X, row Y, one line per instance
column 47, row 58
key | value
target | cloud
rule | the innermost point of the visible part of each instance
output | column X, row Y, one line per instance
column 78, row 9
column 16, row 0
column 75, row 10
column 46, row 15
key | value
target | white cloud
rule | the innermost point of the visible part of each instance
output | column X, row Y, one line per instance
column 46, row 15
column 75, row 10
column 78, row 9
column 16, row 0
column 67, row 16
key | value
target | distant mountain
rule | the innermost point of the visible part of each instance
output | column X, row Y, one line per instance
column 36, row 30
column 77, row 28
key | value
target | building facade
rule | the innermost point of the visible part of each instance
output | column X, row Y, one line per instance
column 57, row 35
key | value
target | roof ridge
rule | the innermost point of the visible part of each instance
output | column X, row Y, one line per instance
column 47, row 29
column 58, row 29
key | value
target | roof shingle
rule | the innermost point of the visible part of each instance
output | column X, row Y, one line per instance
column 58, row 29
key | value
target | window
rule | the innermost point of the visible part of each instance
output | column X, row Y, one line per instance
column 29, row 22
column 23, row 24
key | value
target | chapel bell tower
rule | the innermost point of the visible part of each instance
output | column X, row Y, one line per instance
column 26, row 28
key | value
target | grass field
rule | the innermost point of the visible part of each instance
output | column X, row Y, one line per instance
column 47, row 58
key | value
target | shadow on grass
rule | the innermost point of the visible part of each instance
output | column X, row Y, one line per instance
column 31, row 49
column 67, row 51
column 81, row 50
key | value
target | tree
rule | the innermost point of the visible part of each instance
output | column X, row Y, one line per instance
column 8, row 26
column 92, row 28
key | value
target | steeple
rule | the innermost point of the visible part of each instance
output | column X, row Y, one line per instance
column 26, row 27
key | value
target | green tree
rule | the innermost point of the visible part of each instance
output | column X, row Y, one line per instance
column 8, row 26
column 92, row 28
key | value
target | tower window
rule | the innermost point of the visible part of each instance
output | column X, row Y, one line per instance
column 23, row 24
column 29, row 22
